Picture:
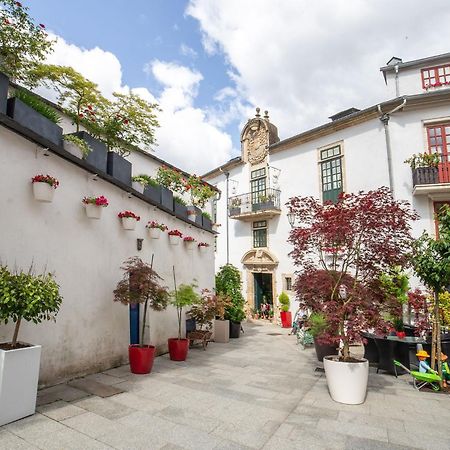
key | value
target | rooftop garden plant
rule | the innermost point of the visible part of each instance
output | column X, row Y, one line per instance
column 206, row 214
column 170, row 178
column 34, row 102
column 145, row 180
column 97, row 201
column 423, row 160
column 82, row 145
column 155, row 224
column 199, row 191
column 52, row 181
column 23, row 43
column 129, row 214
column 27, row 296
column 179, row 200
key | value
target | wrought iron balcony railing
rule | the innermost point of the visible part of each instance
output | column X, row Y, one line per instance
column 254, row 203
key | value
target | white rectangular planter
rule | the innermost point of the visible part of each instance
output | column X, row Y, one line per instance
column 19, row 375
column 222, row 331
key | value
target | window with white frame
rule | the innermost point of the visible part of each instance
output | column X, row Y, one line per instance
column 331, row 173
column 436, row 76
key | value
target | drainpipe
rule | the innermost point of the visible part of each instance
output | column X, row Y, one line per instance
column 384, row 117
column 227, row 174
column 397, row 85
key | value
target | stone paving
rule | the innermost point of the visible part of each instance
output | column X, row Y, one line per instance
column 257, row 392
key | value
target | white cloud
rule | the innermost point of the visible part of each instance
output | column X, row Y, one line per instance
column 186, row 135
column 307, row 60
column 185, row 50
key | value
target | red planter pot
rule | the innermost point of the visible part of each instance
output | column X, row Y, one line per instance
column 178, row 349
column 286, row 319
column 141, row 358
column 401, row 334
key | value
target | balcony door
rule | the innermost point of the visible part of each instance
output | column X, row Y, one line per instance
column 258, row 185
column 439, row 142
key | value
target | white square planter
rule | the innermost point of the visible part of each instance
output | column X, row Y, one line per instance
column 138, row 187
column 222, row 331
column 129, row 223
column 154, row 233
column 43, row 192
column 94, row 211
column 73, row 149
column 19, row 375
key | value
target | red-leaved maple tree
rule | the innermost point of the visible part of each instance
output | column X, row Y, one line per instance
column 340, row 251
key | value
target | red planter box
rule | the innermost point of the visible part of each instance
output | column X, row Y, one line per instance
column 141, row 358
column 178, row 349
column 286, row 319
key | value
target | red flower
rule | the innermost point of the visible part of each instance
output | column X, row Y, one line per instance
column 42, row 25
column 90, row 107
column 125, row 121
column 81, row 115
column 19, row 4
column 52, row 181
column 129, row 214
column 175, row 233
column 7, row 22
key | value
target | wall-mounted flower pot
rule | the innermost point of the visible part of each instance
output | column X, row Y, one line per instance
column 34, row 121
column 93, row 211
column 166, row 198
column 180, row 210
column 128, row 223
column 207, row 223
column 347, row 381
column 19, row 374
column 154, row 233
column 4, row 84
column 189, row 245
column 73, row 149
column 222, row 331
column 43, row 192
column 119, row 168
column 178, row 349
column 141, row 358
column 203, row 249
column 235, row 329
column 174, row 240
column 138, row 186
column 154, row 193
column 97, row 157
column 286, row 319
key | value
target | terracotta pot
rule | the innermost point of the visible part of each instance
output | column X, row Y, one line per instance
column 286, row 319
column 141, row 358
column 178, row 349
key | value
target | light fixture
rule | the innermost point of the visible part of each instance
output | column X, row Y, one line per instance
column 139, row 243
column 291, row 218
column 343, row 291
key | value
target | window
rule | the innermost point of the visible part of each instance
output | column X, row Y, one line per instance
column 436, row 76
column 288, row 283
column 260, row 234
column 258, row 184
column 331, row 173
column 439, row 140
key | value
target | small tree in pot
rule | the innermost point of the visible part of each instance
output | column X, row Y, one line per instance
column 228, row 282
column 285, row 314
column 182, row 297
column 341, row 250
column 141, row 285
column 33, row 298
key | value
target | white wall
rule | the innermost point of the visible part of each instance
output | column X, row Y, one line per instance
column 91, row 331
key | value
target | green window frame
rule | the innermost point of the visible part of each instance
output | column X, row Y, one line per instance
column 260, row 234
column 258, row 184
column 331, row 173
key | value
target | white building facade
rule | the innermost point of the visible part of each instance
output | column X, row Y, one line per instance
column 356, row 151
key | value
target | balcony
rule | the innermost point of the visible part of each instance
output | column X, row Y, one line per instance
column 432, row 181
column 255, row 205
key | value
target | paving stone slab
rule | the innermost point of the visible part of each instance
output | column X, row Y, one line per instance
column 95, row 388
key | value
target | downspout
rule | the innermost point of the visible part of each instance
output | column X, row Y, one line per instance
column 384, row 117
column 397, row 85
column 227, row 174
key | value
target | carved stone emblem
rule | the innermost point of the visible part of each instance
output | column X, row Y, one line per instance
column 257, row 145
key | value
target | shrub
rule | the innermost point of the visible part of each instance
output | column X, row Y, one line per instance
column 228, row 283
column 182, row 297
column 34, row 102
column 179, row 200
column 283, row 298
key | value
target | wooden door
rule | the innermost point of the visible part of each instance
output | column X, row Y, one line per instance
column 439, row 142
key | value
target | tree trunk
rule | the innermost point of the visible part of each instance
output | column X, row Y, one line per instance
column 16, row 332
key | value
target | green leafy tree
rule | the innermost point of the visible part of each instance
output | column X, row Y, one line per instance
column 432, row 265
column 182, row 297
column 23, row 43
column 29, row 297
column 284, row 301
column 78, row 96
column 125, row 123
column 228, row 282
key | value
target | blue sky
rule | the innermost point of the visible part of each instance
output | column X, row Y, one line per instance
column 209, row 63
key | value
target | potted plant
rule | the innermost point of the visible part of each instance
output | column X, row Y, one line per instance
column 31, row 112
column 76, row 146
column 264, row 201
column 203, row 312
column 129, row 219
column 347, row 288
column 171, row 180
column 139, row 183
column 189, row 241
column 140, row 285
column 207, row 221
column 44, row 187
column 155, row 229
column 203, row 247
column 175, row 236
column 200, row 192
column 397, row 323
column 94, row 206
column 221, row 325
column 179, row 207
column 235, row 206
column 285, row 314
column 24, row 296
column 182, row 297
column 424, row 168
column 317, row 324
column 153, row 191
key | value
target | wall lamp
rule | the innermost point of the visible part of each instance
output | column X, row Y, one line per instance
column 291, row 219
column 139, row 243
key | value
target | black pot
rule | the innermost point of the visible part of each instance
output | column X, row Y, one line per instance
column 153, row 193
column 235, row 329
column 180, row 210
column 235, row 211
column 4, row 84
column 263, row 206
column 198, row 214
column 167, row 198
column 190, row 325
column 425, row 175
column 119, row 168
column 207, row 223
column 34, row 121
column 324, row 350
column 97, row 157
